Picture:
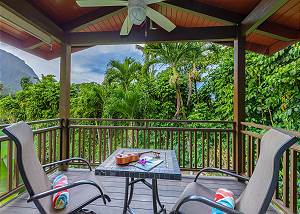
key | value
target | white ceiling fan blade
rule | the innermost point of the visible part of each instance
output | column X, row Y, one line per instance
column 159, row 19
column 126, row 27
column 101, row 3
column 153, row 1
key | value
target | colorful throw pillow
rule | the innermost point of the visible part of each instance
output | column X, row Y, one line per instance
column 224, row 197
column 60, row 199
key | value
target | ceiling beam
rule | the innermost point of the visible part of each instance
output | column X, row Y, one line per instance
column 92, row 18
column 257, row 48
column 137, row 35
column 259, row 14
column 19, row 23
column 33, row 16
column 278, row 31
column 32, row 43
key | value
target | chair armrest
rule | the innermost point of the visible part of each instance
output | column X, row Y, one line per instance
column 67, row 161
column 69, row 186
column 211, row 169
column 206, row 201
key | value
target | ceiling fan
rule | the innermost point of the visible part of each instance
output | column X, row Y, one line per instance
column 137, row 13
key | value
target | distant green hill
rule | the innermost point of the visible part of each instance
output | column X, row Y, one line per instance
column 12, row 70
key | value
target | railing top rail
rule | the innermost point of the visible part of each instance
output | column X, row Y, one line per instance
column 37, row 131
column 152, row 128
column 264, row 127
column 150, row 120
column 34, row 122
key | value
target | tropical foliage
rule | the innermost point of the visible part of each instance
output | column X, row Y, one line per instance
column 176, row 80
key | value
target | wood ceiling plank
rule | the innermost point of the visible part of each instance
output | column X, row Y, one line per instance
column 33, row 16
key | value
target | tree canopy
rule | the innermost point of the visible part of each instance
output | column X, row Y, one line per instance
column 175, row 80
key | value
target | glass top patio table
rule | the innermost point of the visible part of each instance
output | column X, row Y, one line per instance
column 168, row 169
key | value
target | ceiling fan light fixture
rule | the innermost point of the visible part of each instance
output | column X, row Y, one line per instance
column 137, row 11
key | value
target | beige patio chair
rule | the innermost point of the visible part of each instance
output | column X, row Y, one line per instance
column 256, row 197
column 82, row 192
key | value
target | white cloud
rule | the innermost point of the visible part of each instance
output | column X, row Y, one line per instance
column 87, row 65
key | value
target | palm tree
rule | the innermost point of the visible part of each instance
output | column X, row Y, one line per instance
column 171, row 55
column 197, row 58
column 122, row 73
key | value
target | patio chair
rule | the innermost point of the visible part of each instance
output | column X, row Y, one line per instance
column 258, row 193
column 82, row 192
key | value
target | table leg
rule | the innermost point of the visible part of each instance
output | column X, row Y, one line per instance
column 155, row 197
column 127, row 200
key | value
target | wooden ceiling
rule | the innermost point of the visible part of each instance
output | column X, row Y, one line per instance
column 267, row 28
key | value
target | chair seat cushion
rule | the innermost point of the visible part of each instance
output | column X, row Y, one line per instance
column 60, row 199
column 82, row 194
column 224, row 197
column 193, row 207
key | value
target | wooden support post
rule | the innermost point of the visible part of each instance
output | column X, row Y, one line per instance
column 239, row 97
column 64, row 101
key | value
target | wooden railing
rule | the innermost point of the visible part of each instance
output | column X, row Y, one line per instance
column 287, row 193
column 47, row 144
column 197, row 143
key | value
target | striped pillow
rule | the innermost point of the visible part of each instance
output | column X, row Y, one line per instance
column 224, row 197
column 60, row 199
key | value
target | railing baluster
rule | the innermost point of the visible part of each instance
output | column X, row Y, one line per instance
column 39, row 147
column 144, row 134
column 183, row 148
column 44, row 141
column 115, row 137
column 73, row 131
column 196, row 149
column 208, row 149
column 50, row 147
column 137, row 138
column 94, row 146
column 160, row 139
column 285, row 178
column 203, row 151
column 16, row 170
column 228, row 149
column 122, row 143
column 54, row 145
column 83, row 143
column 132, row 138
column 248, row 155
column 110, row 141
column 90, row 145
column 191, row 150
column 79, row 142
column 178, row 141
column 9, row 165
column 104, row 144
column 220, row 150
column 252, row 156
column 149, row 138
column 293, row 184
column 172, row 140
column 155, row 139
column 100, row 145
column 126, row 136
column 215, row 149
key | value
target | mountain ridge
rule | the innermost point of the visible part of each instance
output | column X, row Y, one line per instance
column 12, row 70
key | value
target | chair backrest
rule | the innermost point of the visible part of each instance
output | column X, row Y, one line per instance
column 258, row 194
column 31, row 171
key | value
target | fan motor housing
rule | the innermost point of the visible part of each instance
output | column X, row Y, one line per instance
column 137, row 11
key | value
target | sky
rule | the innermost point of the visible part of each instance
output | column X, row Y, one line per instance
column 88, row 65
